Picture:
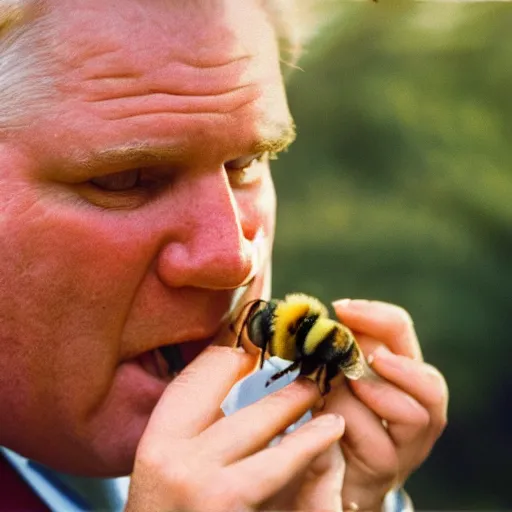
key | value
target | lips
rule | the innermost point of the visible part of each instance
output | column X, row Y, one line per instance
column 165, row 362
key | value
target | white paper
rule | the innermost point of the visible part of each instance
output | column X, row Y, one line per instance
column 252, row 388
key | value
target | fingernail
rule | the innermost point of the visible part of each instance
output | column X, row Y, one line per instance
column 330, row 420
column 379, row 353
column 341, row 303
column 353, row 304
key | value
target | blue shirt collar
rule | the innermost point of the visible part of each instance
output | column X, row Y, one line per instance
column 67, row 493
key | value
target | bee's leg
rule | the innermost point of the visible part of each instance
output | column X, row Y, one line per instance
column 318, row 375
column 331, row 370
column 278, row 375
column 262, row 355
column 326, row 386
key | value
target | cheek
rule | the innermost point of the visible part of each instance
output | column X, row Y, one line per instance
column 64, row 267
column 66, row 282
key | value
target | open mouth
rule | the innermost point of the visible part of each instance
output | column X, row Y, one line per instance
column 167, row 361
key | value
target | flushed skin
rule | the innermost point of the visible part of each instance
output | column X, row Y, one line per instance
column 101, row 265
column 90, row 278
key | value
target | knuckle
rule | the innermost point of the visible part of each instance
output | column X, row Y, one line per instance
column 439, row 388
column 420, row 419
column 438, row 399
column 223, row 495
column 401, row 324
column 404, row 321
column 404, row 316
column 150, row 454
column 149, row 457
column 441, row 424
column 227, row 501
column 389, row 472
column 182, row 478
column 179, row 481
column 178, row 478
column 383, row 470
column 397, row 313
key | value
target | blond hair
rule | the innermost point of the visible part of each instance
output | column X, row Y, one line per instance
column 24, row 86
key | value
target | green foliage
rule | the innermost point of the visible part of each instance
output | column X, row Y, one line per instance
column 399, row 188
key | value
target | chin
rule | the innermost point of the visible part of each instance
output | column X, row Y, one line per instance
column 111, row 452
column 104, row 449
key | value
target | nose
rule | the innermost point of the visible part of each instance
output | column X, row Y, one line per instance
column 212, row 246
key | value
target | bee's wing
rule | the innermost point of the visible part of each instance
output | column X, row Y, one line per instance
column 355, row 368
column 354, row 371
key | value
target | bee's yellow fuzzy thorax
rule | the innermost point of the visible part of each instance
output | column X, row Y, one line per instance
column 287, row 315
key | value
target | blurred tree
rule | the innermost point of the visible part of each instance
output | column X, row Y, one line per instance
column 399, row 188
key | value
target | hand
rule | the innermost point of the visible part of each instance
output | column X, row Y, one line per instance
column 191, row 458
column 411, row 397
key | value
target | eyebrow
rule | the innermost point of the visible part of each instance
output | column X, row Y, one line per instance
column 278, row 138
column 133, row 154
column 275, row 139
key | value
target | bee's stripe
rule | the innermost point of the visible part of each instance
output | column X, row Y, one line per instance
column 327, row 342
column 323, row 348
column 323, row 328
column 302, row 332
column 328, row 352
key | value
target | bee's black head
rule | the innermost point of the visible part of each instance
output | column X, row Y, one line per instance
column 260, row 324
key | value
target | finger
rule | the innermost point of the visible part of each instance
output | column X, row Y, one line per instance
column 368, row 344
column 382, row 321
column 263, row 474
column 407, row 419
column 370, row 454
column 365, row 437
column 413, row 400
column 252, row 428
column 191, row 402
column 420, row 380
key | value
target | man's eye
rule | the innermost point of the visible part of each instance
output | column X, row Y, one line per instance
column 243, row 162
column 117, row 182
column 245, row 170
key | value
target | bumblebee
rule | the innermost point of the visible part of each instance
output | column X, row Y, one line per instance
column 299, row 330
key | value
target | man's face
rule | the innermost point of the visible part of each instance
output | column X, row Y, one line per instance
column 125, row 202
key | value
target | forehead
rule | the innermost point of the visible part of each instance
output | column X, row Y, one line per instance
column 202, row 33
column 173, row 66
